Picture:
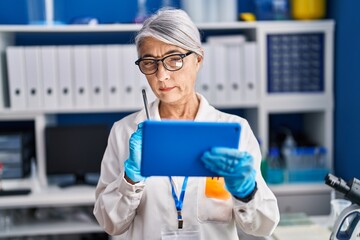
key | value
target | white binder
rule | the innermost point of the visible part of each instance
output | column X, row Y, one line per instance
column 235, row 73
column 220, row 86
column 113, row 75
column 204, row 84
column 251, row 80
column 81, row 76
column 16, row 76
column 66, row 78
column 226, row 67
column 50, row 90
column 130, row 93
column 33, row 77
column 97, row 76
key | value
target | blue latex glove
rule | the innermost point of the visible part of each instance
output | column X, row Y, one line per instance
column 236, row 167
column 133, row 163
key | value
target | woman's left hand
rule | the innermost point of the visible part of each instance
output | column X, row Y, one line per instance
column 236, row 167
column 133, row 163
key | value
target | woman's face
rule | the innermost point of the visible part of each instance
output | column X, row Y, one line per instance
column 170, row 86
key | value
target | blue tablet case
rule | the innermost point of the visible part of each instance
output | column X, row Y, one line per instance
column 174, row 148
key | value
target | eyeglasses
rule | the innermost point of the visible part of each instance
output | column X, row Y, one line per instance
column 173, row 62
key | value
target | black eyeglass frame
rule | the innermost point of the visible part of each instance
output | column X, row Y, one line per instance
column 181, row 55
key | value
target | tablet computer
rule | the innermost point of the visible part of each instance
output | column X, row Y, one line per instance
column 174, row 148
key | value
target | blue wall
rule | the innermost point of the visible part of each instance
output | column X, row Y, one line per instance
column 13, row 12
column 347, row 87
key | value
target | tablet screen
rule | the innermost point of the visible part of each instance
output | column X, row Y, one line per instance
column 174, row 148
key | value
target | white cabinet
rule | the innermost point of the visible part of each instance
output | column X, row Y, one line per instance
column 315, row 107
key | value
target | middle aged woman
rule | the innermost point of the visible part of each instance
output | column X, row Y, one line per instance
column 170, row 56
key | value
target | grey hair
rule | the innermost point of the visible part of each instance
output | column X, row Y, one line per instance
column 171, row 26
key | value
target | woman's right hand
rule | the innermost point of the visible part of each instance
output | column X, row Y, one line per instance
column 133, row 163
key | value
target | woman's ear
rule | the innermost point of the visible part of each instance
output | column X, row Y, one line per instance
column 199, row 61
column 199, row 58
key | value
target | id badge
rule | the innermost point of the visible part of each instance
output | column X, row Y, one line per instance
column 189, row 233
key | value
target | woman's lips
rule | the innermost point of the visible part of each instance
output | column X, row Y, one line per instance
column 166, row 89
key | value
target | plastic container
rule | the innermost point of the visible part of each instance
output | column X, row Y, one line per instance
column 307, row 175
column 275, row 169
column 272, row 9
column 308, row 9
column 227, row 11
column 211, row 10
column 142, row 13
column 195, row 9
column 306, row 158
column 306, row 164
column 41, row 12
column 288, row 147
column 280, row 9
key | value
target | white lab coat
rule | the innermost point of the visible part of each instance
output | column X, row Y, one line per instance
column 144, row 209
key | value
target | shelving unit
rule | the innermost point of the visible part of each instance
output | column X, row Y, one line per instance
column 305, row 102
column 51, row 197
column 316, row 107
column 52, row 228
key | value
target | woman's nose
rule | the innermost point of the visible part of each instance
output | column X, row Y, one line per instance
column 162, row 73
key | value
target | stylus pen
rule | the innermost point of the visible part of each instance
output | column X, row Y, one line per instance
column 145, row 104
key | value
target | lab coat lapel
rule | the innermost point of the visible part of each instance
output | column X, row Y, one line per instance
column 206, row 112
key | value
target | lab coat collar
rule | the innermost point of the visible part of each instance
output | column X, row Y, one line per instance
column 205, row 111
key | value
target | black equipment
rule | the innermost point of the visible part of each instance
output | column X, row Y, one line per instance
column 75, row 150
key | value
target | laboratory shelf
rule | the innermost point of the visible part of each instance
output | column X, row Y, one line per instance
column 299, row 188
column 18, row 115
column 135, row 27
column 79, row 224
column 51, row 196
column 297, row 102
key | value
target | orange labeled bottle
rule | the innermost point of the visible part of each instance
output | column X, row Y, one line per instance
column 215, row 188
